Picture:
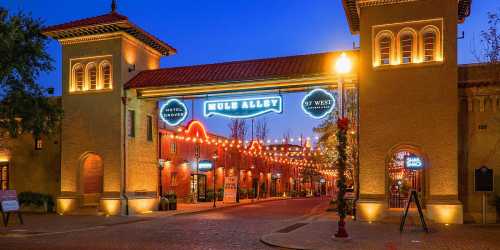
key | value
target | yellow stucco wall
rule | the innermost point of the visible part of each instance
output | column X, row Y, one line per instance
column 409, row 104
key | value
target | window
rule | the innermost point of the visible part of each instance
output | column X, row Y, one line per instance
column 149, row 121
column 173, row 147
column 78, row 81
column 429, row 44
column 106, row 75
column 173, row 179
column 92, row 76
column 4, row 175
column 406, row 47
column 385, row 50
column 131, row 123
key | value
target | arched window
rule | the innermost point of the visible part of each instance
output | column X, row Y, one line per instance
column 430, row 48
column 78, row 80
column 385, row 50
column 406, row 47
column 92, row 76
column 384, row 44
column 106, row 76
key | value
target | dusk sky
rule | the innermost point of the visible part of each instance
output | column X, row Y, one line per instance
column 227, row 30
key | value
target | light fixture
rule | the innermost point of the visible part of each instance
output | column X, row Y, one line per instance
column 343, row 64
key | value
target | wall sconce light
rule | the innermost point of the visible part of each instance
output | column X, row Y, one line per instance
column 131, row 68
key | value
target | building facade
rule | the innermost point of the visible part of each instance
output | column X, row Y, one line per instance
column 414, row 101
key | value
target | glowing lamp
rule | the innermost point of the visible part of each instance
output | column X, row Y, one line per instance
column 343, row 64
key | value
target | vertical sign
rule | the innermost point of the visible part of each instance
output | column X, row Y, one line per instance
column 230, row 189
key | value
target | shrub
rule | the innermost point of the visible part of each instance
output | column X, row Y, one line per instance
column 36, row 200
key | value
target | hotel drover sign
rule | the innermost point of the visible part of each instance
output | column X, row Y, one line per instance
column 318, row 103
column 243, row 107
column 173, row 112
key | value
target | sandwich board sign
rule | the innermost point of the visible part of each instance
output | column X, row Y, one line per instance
column 230, row 189
column 8, row 205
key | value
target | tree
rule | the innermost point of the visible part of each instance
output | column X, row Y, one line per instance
column 24, row 106
column 238, row 129
column 261, row 130
column 490, row 41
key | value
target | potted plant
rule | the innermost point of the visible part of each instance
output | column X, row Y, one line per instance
column 220, row 195
column 172, row 198
column 164, row 204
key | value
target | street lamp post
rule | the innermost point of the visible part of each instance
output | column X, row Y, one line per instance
column 342, row 66
column 214, row 156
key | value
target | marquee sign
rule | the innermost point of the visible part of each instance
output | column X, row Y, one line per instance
column 243, row 107
column 318, row 103
column 173, row 112
column 413, row 162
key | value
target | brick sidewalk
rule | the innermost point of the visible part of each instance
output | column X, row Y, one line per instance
column 316, row 233
column 39, row 224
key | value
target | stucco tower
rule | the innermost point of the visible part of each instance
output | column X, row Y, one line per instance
column 99, row 55
column 408, row 103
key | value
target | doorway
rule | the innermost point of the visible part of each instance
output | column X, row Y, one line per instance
column 4, row 175
column 92, row 179
column 404, row 176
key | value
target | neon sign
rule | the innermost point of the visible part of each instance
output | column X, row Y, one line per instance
column 173, row 112
column 203, row 165
column 318, row 103
column 243, row 107
column 413, row 162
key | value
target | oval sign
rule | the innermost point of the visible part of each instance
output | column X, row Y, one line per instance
column 318, row 103
column 173, row 112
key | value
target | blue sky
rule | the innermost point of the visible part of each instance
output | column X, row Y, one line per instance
column 208, row 31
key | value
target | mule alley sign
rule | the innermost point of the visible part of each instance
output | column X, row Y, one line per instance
column 243, row 107
column 318, row 103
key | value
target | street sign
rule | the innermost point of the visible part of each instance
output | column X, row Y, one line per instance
column 243, row 107
column 483, row 179
column 173, row 112
column 9, row 204
column 318, row 103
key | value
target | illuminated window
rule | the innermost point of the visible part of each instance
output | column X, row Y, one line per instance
column 385, row 50
column 406, row 47
column 173, row 179
column 106, row 76
column 78, row 80
column 4, row 175
column 429, row 46
column 92, row 76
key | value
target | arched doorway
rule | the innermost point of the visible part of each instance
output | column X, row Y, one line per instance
column 92, row 179
column 405, row 169
column 4, row 169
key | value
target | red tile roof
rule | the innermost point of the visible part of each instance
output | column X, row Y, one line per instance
column 111, row 22
column 112, row 17
column 238, row 71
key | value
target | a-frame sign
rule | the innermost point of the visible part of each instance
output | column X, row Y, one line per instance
column 413, row 196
